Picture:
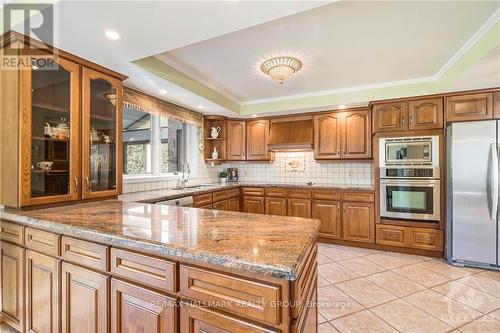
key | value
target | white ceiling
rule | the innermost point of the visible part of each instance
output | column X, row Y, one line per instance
column 343, row 45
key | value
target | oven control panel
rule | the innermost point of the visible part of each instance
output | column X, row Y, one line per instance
column 409, row 173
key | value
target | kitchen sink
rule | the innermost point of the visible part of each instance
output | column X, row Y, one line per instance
column 199, row 187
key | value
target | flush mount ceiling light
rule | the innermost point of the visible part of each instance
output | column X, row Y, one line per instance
column 111, row 97
column 113, row 35
column 281, row 68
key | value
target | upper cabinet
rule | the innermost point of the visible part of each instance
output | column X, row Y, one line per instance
column 258, row 140
column 327, row 130
column 356, row 134
column 469, row 107
column 425, row 114
column 236, row 140
column 496, row 104
column 390, row 117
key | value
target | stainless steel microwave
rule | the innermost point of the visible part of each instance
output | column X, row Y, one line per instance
column 409, row 151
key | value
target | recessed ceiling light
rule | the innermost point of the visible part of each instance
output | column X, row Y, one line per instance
column 254, row 116
column 342, row 106
column 162, row 91
column 200, row 106
column 113, row 35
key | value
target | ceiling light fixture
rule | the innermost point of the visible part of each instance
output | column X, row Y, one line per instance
column 254, row 115
column 281, row 68
column 200, row 106
column 342, row 106
column 162, row 91
column 113, row 35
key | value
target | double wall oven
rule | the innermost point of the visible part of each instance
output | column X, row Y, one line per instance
column 409, row 178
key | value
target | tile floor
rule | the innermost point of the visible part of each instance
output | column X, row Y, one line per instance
column 363, row 290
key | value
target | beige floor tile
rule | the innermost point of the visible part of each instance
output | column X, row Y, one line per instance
column 469, row 296
column 360, row 251
column 445, row 309
column 361, row 266
column 322, row 259
column 443, row 268
column 336, row 273
column 395, row 283
column 482, row 283
column 409, row 258
column 337, row 253
column 321, row 319
column 386, row 260
column 406, row 317
column 326, row 328
column 486, row 324
column 333, row 303
column 421, row 275
column 495, row 275
column 365, row 292
column 322, row 246
column 322, row 282
column 362, row 322
column 495, row 314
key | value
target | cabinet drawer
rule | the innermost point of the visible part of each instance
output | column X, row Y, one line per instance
column 276, row 192
column 254, row 191
column 326, row 195
column 202, row 200
column 85, row 253
column 42, row 241
column 219, row 196
column 391, row 235
column 11, row 232
column 209, row 206
column 299, row 193
column 358, row 196
column 469, row 107
column 250, row 299
column 153, row 272
column 235, row 192
column 301, row 287
column 425, row 239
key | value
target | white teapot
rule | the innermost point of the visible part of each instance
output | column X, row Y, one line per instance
column 214, row 132
column 215, row 153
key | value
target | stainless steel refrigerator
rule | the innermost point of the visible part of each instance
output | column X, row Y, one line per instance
column 472, row 195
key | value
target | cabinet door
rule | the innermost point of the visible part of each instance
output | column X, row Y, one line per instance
column 253, row 205
column 327, row 129
column 136, row 309
column 469, row 107
column 236, row 140
column 276, row 206
column 233, row 204
column 257, row 140
column 390, row 117
column 358, row 222
column 102, row 135
column 11, row 285
column 299, row 207
column 331, row 218
column 357, row 134
column 84, row 300
column 496, row 104
column 50, row 127
column 220, row 205
column 425, row 114
column 42, row 293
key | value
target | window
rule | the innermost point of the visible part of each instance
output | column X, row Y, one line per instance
column 136, row 142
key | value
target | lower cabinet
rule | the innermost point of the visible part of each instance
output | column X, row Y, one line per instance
column 253, row 205
column 299, row 207
column 220, row 205
column 416, row 238
column 276, row 206
column 329, row 212
column 84, row 300
column 233, row 204
column 42, row 293
column 358, row 222
column 11, row 285
column 137, row 309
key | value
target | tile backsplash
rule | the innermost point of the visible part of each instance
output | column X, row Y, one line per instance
column 301, row 167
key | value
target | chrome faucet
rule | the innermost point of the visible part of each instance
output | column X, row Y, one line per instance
column 186, row 171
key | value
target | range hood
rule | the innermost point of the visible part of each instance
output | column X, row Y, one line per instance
column 291, row 133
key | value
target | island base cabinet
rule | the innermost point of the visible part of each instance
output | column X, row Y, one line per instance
column 137, row 309
column 42, row 293
column 12, row 289
column 358, row 222
column 84, row 300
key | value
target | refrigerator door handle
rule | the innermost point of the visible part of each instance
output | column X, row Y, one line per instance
column 493, row 182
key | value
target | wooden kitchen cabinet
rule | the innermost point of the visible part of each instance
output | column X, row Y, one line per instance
column 233, row 204
column 220, row 205
column 254, row 205
column 42, row 293
column 356, row 134
column 390, row 117
column 85, row 302
column 257, row 140
column 469, row 107
column 12, row 285
column 424, row 114
column 276, row 206
column 299, row 207
column 496, row 105
column 330, row 214
column 236, row 140
column 327, row 136
column 358, row 222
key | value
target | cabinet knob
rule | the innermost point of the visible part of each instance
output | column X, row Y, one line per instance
column 338, row 151
column 76, row 184
column 87, row 184
column 403, row 121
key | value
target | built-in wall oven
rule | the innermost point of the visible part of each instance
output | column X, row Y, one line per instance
column 410, row 187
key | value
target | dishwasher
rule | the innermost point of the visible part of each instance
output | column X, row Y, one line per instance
column 181, row 202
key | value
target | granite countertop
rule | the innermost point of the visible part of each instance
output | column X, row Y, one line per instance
column 262, row 244
column 167, row 194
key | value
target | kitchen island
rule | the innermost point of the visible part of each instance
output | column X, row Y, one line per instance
column 128, row 266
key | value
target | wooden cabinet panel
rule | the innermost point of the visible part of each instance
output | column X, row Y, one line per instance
column 12, row 285
column 327, row 130
column 358, row 222
column 329, row 212
column 209, row 206
column 469, row 107
column 358, row 196
column 391, row 235
column 42, row 293
column 254, row 205
column 255, row 191
column 202, row 200
column 326, row 195
column 300, row 289
column 233, row 204
column 299, row 207
column 236, row 140
column 277, row 192
column 218, row 196
column 357, row 134
column 11, row 232
column 426, row 239
column 85, row 253
column 84, row 300
column 390, row 117
column 42, row 241
column 496, row 104
column 232, row 293
column 234, row 192
column 154, row 272
column 301, row 193
column 136, row 309
column 220, row 205
column 257, row 140
column 425, row 114
column 276, row 206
